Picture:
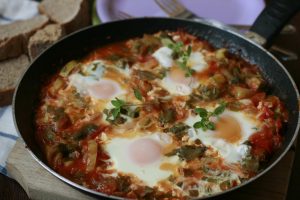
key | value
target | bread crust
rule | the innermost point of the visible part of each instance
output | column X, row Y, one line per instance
column 6, row 97
column 74, row 16
column 10, row 72
column 44, row 38
column 14, row 37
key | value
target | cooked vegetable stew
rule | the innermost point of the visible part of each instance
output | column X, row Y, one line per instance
column 164, row 116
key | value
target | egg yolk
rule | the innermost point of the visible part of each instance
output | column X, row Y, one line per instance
column 103, row 90
column 144, row 151
column 178, row 75
column 228, row 129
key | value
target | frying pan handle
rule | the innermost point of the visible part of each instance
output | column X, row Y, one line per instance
column 272, row 19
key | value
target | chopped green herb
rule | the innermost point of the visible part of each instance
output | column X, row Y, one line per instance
column 201, row 112
column 162, row 73
column 167, row 116
column 123, row 183
column 144, row 46
column 250, row 163
column 182, row 61
column 131, row 111
column 57, row 112
column 113, row 115
column 209, row 179
column 208, row 92
column 137, row 94
column 205, row 123
column 146, row 75
column 85, row 131
column 118, row 103
column 121, row 107
column 179, row 130
column 220, row 109
column 188, row 152
column 115, row 112
column 49, row 134
column 64, row 149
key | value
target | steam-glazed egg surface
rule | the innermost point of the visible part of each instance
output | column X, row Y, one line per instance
column 142, row 156
column 163, row 116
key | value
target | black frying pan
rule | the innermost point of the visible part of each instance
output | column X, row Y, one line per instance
column 79, row 44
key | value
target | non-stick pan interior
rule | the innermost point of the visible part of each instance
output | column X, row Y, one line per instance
column 80, row 43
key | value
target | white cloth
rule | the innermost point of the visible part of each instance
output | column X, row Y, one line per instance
column 8, row 136
column 11, row 10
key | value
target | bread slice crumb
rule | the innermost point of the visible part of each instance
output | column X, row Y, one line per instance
column 10, row 72
column 44, row 38
column 71, row 14
column 14, row 37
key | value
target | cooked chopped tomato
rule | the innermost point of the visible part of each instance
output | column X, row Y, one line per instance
column 213, row 66
column 258, row 98
column 264, row 141
column 266, row 113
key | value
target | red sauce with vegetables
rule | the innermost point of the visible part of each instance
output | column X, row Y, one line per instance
column 203, row 113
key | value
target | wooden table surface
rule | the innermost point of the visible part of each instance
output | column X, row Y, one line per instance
column 11, row 190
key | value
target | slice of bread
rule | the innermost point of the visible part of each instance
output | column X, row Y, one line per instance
column 14, row 37
column 71, row 14
column 44, row 38
column 10, row 72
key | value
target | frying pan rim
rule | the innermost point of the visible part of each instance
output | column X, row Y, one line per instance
column 208, row 22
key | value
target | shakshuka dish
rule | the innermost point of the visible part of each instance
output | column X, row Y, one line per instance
column 163, row 116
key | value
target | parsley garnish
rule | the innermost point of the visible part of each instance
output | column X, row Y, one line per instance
column 114, row 115
column 205, row 124
column 180, row 54
column 117, row 103
column 137, row 94
column 117, row 115
column 182, row 61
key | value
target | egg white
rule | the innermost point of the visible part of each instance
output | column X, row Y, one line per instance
column 176, row 88
column 231, row 152
column 91, row 76
column 94, row 69
column 197, row 62
column 83, row 85
column 150, row 174
column 164, row 56
column 179, row 88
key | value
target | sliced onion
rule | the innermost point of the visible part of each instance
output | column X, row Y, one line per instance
column 92, row 155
